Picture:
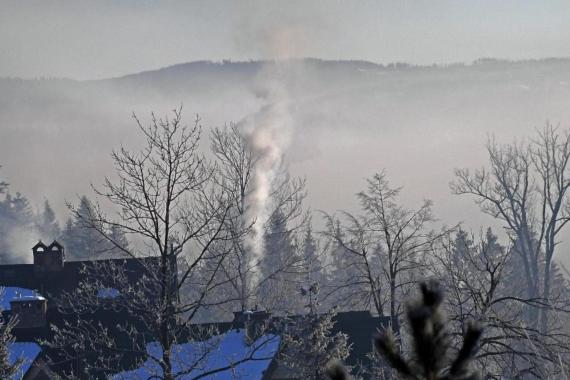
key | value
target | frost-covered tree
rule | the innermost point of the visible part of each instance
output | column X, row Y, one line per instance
column 314, row 268
column 281, row 267
column 483, row 283
column 8, row 368
column 389, row 243
column 526, row 188
column 345, row 286
column 308, row 342
column 166, row 196
column 237, row 162
column 309, row 345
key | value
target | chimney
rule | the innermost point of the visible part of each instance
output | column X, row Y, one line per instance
column 255, row 322
column 48, row 259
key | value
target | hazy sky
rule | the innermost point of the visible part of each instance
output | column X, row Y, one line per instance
column 94, row 39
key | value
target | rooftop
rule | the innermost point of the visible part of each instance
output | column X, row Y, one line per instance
column 229, row 354
column 16, row 294
column 25, row 350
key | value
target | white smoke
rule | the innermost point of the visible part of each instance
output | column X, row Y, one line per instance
column 20, row 241
column 269, row 133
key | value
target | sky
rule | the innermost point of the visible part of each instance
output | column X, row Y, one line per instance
column 97, row 39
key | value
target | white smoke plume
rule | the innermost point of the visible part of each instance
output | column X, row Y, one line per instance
column 20, row 241
column 269, row 132
column 269, row 135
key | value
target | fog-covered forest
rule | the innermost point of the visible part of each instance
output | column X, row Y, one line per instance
column 292, row 201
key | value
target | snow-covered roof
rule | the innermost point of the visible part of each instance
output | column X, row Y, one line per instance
column 108, row 293
column 229, row 350
column 25, row 350
column 10, row 294
column 28, row 298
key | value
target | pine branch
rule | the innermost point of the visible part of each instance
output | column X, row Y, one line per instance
column 431, row 343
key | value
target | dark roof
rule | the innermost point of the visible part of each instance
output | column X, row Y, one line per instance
column 39, row 245
column 67, row 280
column 360, row 326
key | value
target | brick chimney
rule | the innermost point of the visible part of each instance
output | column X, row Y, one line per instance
column 255, row 322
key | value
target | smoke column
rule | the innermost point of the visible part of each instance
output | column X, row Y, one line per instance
column 269, row 134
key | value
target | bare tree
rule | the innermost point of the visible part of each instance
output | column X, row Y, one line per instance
column 481, row 284
column 237, row 163
column 526, row 188
column 167, row 201
column 389, row 241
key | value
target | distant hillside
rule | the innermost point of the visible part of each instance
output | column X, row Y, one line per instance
column 349, row 119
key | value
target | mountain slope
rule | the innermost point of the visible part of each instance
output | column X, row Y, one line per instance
column 348, row 120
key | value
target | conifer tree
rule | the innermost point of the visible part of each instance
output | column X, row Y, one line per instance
column 344, row 277
column 16, row 219
column 81, row 240
column 308, row 342
column 430, row 343
column 47, row 224
column 118, row 242
column 281, row 266
column 278, row 244
column 314, row 271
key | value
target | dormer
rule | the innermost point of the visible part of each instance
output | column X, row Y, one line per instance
column 39, row 248
column 56, row 248
column 48, row 259
column 30, row 311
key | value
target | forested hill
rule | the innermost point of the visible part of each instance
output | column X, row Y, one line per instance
column 304, row 74
column 348, row 120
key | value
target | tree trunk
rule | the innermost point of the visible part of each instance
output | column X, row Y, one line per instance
column 546, row 296
column 393, row 316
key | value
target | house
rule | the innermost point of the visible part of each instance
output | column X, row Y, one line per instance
column 360, row 328
column 34, row 291
column 249, row 347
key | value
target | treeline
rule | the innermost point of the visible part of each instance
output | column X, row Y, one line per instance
column 21, row 227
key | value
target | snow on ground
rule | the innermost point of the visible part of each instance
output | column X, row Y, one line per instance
column 230, row 351
column 27, row 351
